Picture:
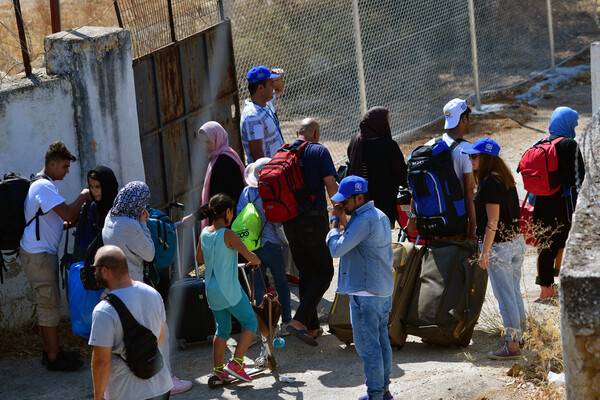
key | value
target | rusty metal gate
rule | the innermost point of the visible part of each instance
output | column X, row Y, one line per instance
column 184, row 75
column 178, row 88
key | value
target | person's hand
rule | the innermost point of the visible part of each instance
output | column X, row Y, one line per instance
column 484, row 260
column 472, row 230
column 411, row 226
column 338, row 211
column 188, row 220
column 255, row 261
column 278, row 71
column 86, row 194
column 144, row 215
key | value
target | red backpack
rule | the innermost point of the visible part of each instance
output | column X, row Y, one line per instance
column 539, row 168
column 281, row 185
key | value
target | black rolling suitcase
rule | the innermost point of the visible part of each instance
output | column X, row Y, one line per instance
column 448, row 294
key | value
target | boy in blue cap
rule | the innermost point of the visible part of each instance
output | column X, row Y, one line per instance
column 259, row 125
column 366, row 275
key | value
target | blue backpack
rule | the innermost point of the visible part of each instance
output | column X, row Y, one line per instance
column 436, row 190
column 164, row 237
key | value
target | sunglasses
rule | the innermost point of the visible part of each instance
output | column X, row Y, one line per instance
column 472, row 156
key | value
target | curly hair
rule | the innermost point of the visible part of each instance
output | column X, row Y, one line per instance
column 57, row 151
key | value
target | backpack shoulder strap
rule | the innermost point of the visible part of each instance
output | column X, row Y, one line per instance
column 455, row 143
column 127, row 319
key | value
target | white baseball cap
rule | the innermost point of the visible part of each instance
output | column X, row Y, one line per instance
column 452, row 111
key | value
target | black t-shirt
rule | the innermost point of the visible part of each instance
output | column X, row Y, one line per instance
column 493, row 191
column 226, row 178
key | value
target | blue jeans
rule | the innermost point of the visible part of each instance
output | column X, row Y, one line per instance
column 369, row 318
column 271, row 256
column 506, row 260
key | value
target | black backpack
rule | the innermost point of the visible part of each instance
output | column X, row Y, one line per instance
column 13, row 191
column 141, row 347
column 436, row 190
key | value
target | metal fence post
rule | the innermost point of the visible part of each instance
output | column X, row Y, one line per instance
column 550, row 32
column 221, row 10
column 474, row 53
column 22, row 38
column 171, row 21
column 359, row 59
column 55, row 15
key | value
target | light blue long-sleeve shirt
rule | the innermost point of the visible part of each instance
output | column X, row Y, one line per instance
column 365, row 252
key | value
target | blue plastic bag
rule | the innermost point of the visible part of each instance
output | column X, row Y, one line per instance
column 81, row 302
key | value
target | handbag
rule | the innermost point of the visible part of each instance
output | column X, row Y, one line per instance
column 86, row 273
column 269, row 310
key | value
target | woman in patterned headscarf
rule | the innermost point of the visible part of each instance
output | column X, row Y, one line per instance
column 125, row 227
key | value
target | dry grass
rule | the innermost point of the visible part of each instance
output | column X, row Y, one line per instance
column 29, row 343
column 36, row 15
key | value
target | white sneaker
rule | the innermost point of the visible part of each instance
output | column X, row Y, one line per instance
column 283, row 329
column 180, row 386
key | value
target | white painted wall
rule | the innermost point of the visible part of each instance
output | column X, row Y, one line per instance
column 86, row 99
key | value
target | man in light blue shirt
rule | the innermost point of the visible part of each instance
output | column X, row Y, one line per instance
column 365, row 273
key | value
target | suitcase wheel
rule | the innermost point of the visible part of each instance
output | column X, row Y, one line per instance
column 271, row 363
column 182, row 343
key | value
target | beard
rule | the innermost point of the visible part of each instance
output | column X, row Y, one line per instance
column 101, row 281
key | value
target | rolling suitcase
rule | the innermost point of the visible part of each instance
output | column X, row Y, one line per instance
column 339, row 316
column 448, row 295
column 407, row 264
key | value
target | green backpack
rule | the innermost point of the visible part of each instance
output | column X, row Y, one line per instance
column 248, row 226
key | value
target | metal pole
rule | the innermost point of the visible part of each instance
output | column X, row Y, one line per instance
column 118, row 12
column 22, row 38
column 55, row 15
column 474, row 53
column 550, row 32
column 221, row 10
column 171, row 23
column 359, row 59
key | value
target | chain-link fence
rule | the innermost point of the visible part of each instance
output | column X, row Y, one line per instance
column 416, row 54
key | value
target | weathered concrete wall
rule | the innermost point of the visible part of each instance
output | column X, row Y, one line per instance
column 85, row 98
column 580, row 282
column 98, row 63
column 595, row 71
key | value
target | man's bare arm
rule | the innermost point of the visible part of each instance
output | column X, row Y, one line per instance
column 70, row 212
column 100, row 370
column 256, row 149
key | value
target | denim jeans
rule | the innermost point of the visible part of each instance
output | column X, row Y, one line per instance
column 306, row 234
column 271, row 256
column 369, row 318
column 506, row 260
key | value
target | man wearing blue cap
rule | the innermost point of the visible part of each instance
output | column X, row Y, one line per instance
column 261, row 134
column 366, row 275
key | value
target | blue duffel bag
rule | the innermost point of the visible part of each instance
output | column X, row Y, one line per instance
column 81, row 302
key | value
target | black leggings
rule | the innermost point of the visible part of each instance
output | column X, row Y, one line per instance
column 551, row 213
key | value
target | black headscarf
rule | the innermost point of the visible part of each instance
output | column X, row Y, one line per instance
column 110, row 188
column 374, row 125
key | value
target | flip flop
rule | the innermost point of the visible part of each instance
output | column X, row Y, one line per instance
column 302, row 335
column 319, row 334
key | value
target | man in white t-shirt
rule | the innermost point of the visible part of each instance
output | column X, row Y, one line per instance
column 259, row 125
column 457, row 114
column 47, row 210
column 113, row 379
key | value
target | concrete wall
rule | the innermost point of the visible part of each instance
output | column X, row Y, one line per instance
column 85, row 98
column 580, row 282
column 595, row 71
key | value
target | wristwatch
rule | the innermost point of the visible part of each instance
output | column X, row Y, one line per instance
column 411, row 214
column 334, row 219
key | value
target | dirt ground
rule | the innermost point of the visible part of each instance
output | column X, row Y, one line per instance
column 333, row 370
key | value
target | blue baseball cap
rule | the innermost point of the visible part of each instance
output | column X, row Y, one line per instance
column 483, row 145
column 349, row 186
column 260, row 73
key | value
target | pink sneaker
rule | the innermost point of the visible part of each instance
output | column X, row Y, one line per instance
column 180, row 386
column 236, row 369
column 222, row 375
